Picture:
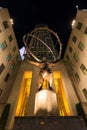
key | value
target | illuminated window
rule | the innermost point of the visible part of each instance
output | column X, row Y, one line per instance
column 79, row 25
column 3, row 45
column 83, row 68
column 77, row 77
column 24, row 93
column 75, row 56
column 9, row 57
column 81, row 46
column 12, row 66
column 61, row 96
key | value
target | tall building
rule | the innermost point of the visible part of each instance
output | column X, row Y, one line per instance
column 22, row 98
column 18, row 82
column 75, row 57
column 9, row 57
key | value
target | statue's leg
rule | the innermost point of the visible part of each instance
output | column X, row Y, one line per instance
column 40, row 82
column 50, row 81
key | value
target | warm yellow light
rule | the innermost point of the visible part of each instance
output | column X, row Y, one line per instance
column 73, row 23
column 24, row 93
column 42, row 123
column 11, row 20
column 62, row 100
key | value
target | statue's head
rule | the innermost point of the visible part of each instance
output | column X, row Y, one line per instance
column 44, row 59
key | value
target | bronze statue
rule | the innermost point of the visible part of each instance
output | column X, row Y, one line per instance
column 45, row 72
column 45, row 66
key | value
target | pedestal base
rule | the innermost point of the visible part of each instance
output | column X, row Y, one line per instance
column 46, row 103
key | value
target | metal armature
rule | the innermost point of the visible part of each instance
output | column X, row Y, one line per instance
column 31, row 34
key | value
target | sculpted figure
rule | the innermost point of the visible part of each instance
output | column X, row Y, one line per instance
column 45, row 72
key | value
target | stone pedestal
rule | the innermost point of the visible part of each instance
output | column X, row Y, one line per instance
column 46, row 103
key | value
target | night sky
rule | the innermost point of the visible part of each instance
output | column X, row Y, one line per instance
column 57, row 14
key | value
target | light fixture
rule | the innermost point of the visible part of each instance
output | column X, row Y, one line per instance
column 11, row 20
column 73, row 23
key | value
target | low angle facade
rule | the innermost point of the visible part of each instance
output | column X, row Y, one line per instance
column 19, row 78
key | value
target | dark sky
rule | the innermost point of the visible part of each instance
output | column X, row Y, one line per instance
column 57, row 14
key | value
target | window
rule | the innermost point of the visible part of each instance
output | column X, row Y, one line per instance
column 85, row 92
column 14, row 49
column 10, row 38
column 3, row 45
column 0, row 91
column 83, row 68
column 77, row 77
column 2, row 67
column 8, row 57
column 75, row 56
column 71, row 65
column 7, row 77
column 79, row 25
column 70, row 49
column 85, row 31
column 12, row 66
column 18, row 57
column 5, row 23
column 74, row 39
column 67, row 57
column 81, row 46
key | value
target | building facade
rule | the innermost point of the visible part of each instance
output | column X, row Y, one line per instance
column 18, row 82
column 75, row 57
column 9, row 56
column 22, row 98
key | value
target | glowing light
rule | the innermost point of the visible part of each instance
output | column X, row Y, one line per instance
column 24, row 93
column 73, row 23
column 11, row 20
column 42, row 123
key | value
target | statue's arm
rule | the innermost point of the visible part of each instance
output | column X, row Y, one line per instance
column 52, row 64
column 34, row 63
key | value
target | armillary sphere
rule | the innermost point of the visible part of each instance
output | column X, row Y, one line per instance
column 27, row 39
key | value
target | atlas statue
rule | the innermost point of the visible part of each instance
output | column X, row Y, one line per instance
column 45, row 72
